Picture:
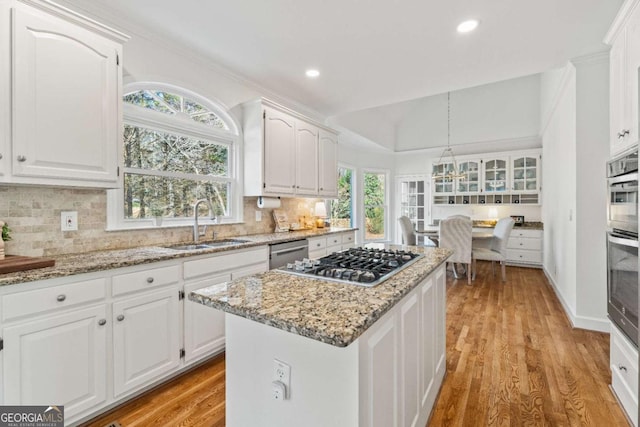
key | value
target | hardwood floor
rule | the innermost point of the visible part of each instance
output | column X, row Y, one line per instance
column 512, row 359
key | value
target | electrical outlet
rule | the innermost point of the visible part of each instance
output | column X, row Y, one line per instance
column 69, row 221
column 282, row 374
column 279, row 391
column 258, row 216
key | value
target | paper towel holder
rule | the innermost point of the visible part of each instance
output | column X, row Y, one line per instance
column 260, row 200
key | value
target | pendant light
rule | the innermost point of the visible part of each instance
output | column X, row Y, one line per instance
column 449, row 174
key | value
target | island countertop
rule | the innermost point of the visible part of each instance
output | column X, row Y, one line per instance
column 330, row 312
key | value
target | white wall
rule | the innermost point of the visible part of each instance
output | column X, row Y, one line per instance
column 500, row 111
column 559, row 191
column 575, row 130
column 592, row 152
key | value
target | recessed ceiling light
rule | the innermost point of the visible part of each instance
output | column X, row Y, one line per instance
column 312, row 73
column 468, row 26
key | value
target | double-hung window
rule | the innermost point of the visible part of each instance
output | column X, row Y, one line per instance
column 178, row 148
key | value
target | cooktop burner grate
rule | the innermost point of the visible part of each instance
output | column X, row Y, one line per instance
column 358, row 266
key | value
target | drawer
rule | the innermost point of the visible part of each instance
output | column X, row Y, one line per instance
column 145, row 279
column 624, row 361
column 515, row 232
column 227, row 261
column 349, row 239
column 334, row 239
column 53, row 298
column 317, row 243
column 530, row 257
column 524, row 243
column 627, row 399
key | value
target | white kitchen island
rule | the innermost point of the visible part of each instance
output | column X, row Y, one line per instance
column 358, row 356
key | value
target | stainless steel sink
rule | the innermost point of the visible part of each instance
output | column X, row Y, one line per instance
column 207, row 245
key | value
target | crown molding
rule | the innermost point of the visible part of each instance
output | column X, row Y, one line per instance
column 620, row 20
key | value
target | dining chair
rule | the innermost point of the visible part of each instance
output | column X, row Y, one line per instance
column 497, row 251
column 456, row 234
column 409, row 233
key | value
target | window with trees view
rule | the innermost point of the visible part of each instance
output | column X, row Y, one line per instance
column 375, row 201
column 178, row 148
column 342, row 207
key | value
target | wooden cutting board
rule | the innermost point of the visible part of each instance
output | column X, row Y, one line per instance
column 13, row 263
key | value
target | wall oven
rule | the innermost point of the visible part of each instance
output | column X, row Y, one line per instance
column 622, row 204
column 622, row 283
column 622, row 244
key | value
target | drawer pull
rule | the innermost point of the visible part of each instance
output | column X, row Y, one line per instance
column 22, row 159
column 102, row 322
column 622, row 368
column 520, row 243
column 61, row 298
column 120, row 317
column 317, row 245
column 149, row 279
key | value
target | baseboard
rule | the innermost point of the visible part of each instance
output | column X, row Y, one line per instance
column 581, row 322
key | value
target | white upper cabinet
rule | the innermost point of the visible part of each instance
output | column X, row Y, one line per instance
column 525, row 173
column 287, row 154
column 279, row 152
column 328, row 161
column 624, row 63
column 495, row 174
column 470, row 184
column 307, row 159
column 66, row 87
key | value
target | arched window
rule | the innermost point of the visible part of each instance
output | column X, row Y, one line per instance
column 178, row 148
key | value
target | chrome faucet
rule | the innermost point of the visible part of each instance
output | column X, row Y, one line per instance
column 196, row 228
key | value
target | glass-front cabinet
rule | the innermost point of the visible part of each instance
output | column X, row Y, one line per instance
column 525, row 174
column 441, row 184
column 470, row 182
column 495, row 175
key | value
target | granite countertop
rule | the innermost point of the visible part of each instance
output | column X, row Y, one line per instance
column 530, row 225
column 67, row 265
column 333, row 313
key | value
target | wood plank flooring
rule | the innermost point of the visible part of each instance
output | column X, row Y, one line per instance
column 512, row 360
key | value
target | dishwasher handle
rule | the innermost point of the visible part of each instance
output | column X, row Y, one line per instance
column 288, row 251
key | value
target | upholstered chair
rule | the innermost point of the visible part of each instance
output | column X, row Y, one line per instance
column 409, row 234
column 456, row 234
column 498, row 248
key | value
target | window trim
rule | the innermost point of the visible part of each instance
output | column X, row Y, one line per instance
column 155, row 120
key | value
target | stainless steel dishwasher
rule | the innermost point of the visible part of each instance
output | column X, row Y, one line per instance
column 282, row 253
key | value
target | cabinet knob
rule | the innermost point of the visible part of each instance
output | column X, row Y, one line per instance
column 0, row 156
column 120, row 317
column 61, row 298
column 22, row 159
column 102, row 322
column 293, row 186
column 149, row 279
column 622, row 368
column 320, row 187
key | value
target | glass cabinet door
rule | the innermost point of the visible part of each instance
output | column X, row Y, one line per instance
column 442, row 184
column 495, row 175
column 470, row 182
column 525, row 174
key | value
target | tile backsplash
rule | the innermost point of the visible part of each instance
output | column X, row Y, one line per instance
column 33, row 214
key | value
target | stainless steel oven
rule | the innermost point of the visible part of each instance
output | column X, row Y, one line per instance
column 622, row 204
column 622, row 282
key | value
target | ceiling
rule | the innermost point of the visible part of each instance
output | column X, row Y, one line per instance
column 374, row 52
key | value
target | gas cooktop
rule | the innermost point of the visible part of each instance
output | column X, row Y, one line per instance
column 357, row 266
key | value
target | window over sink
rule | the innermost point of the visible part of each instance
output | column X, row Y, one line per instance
column 178, row 147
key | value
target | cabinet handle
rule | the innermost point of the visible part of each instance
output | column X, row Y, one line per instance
column 622, row 368
column 22, row 158
column 293, row 186
column 317, row 245
column 625, row 132
column 149, row 279
column 520, row 244
column 0, row 156
column 102, row 322
column 61, row 298
column 320, row 187
column 120, row 317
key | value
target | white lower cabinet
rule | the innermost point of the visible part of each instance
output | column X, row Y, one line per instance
column 525, row 247
column 146, row 338
column 203, row 326
column 325, row 245
column 91, row 341
column 59, row 359
column 624, row 372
